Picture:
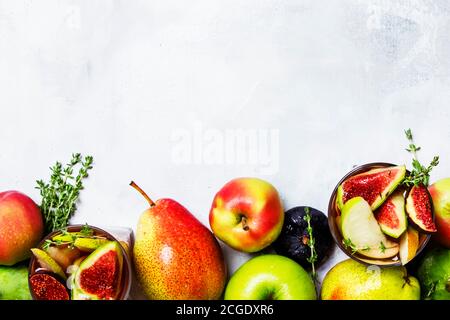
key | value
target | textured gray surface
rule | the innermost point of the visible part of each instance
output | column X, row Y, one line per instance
column 336, row 82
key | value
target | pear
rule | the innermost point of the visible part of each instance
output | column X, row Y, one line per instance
column 409, row 244
column 175, row 256
column 351, row 280
column 48, row 263
column 362, row 233
column 64, row 255
column 89, row 244
column 14, row 282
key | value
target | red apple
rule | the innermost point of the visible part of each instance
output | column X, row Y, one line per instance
column 247, row 214
column 21, row 227
column 440, row 193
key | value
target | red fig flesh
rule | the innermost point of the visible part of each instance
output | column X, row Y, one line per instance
column 46, row 287
column 374, row 186
column 391, row 215
column 420, row 209
column 99, row 275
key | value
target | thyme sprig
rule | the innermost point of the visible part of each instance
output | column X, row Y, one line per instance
column 420, row 175
column 349, row 245
column 311, row 243
column 60, row 195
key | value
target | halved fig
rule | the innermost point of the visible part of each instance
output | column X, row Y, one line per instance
column 420, row 208
column 99, row 275
column 374, row 186
column 391, row 215
column 47, row 287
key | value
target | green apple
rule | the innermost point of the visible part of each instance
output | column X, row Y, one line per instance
column 361, row 232
column 434, row 274
column 14, row 283
column 351, row 280
column 270, row 277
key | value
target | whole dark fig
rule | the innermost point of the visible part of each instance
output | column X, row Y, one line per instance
column 294, row 239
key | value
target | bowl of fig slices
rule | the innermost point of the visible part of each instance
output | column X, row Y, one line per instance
column 80, row 262
column 379, row 216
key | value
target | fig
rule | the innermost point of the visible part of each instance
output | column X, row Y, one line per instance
column 47, row 287
column 294, row 238
column 391, row 215
column 99, row 275
column 420, row 208
column 374, row 186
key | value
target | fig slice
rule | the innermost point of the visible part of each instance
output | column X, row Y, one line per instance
column 374, row 186
column 420, row 209
column 47, row 287
column 391, row 215
column 98, row 276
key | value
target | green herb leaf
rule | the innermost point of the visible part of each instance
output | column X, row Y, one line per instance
column 408, row 134
column 348, row 244
column 382, row 247
column 47, row 244
column 86, row 231
column 420, row 175
column 60, row 194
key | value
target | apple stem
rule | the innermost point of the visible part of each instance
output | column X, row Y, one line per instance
column 150, row 201
column 244, row 223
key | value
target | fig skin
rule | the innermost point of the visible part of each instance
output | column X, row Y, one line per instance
column 294, row 237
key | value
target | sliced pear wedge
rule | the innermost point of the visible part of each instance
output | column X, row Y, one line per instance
column 361, row 231
column 47, row 262
column 89, row 244
column 389, row 249
column 409, row 243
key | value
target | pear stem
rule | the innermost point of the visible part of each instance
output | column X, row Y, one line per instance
column 150, row 201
